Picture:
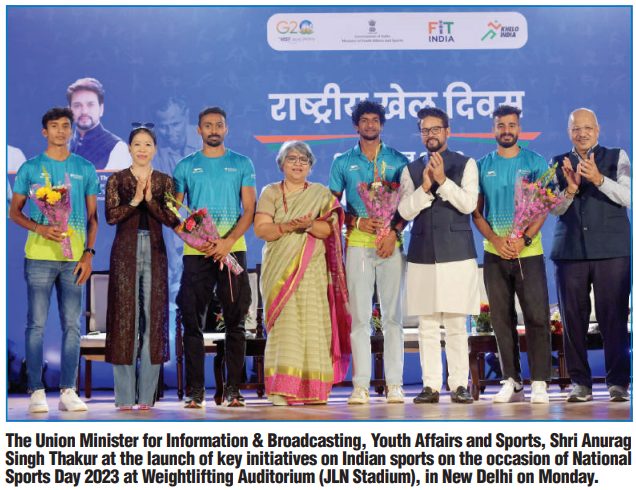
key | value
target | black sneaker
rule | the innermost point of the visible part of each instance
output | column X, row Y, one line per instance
column 461, row 395
column 196, row 399
column 427, row 396
column 233, row 396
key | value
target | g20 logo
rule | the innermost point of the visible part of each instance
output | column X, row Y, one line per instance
column 293, row 27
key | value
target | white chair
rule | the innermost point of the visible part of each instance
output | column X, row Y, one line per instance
column 93, row 343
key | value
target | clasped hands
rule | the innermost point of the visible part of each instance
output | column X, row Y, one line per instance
column 433, row 172
column 218, row 249
column 386, row 245
column 586, row 168
column 508, row 248
column 143, row 190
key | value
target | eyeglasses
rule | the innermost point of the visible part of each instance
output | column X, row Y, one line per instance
column 434, row 130
column 148, row 125
column 294, row 159
column 586, row 129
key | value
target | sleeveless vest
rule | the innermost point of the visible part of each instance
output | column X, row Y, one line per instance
column 440, row 233
column 95, row 146
column 594, row 226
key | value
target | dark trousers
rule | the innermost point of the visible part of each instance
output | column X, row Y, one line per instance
column 198, row 281
column 503, row 280
column 612, row 283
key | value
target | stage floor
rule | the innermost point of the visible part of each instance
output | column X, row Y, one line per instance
column 101, row 407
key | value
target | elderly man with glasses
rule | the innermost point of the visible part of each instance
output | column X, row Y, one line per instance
column 592, row 247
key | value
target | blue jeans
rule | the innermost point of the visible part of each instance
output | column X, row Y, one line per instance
column 127, row 383
column 364, row 268
column 40, row 276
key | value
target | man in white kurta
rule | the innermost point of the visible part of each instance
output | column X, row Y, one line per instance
column 439, row 192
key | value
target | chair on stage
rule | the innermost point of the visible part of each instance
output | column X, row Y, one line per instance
column 93, row 343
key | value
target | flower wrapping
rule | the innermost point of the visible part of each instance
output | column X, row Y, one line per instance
column 54, row 202
column 380, row 199
column 198, row 229
column 533, row 200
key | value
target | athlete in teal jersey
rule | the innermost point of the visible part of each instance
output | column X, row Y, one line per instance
column 45, row 264
column 221, row 181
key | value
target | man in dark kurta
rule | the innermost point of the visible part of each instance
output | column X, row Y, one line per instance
column 592, row 247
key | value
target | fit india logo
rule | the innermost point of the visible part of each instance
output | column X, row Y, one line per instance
column 504, row 31
column 440, row 32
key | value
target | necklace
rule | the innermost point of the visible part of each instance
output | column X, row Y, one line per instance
column 282, row 185
column 137, row 178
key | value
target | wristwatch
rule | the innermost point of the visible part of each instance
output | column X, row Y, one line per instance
column 527, row 239
column 90, row 250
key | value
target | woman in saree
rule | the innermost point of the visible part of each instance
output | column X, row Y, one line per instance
column 137, row 315
column 302, row 283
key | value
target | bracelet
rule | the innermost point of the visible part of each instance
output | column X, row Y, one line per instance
column 358, row 223
column 280, row 228
column 568, row 193
column 133, row 203
column 602, row 181
column 310, row 227
column 34, row 227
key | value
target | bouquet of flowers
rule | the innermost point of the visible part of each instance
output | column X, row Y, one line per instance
column 380, row 197
column 555, row 320
column 533, row 200
column 380, row 200
column 198, row 229
column 54, row 202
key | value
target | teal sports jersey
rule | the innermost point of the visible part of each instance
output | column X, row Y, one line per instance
column 497, row 180
column 84, row 182
column 215, row 184
column 352, row 168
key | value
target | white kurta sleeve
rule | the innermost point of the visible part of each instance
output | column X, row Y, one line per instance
column 463, row 197
column 412, row 200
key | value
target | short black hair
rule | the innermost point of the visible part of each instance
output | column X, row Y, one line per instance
column 55, row 114
column 506, row 110
column 432, row 112
column 367, row 107
column 212, row 110
column 142, row 129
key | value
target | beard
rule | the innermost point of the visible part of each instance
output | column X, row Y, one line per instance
column 370, row 137
column 507, row 144
column 85, row 122
column 214, row 141
column 433, row 145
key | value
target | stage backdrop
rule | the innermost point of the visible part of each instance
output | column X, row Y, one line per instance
column 288, row 72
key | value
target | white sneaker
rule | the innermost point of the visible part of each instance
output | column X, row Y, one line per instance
column 360, row 396
column 539, row 392
column 69, row 401
column 37, row 403
column 510, row 392
column 394, row 394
